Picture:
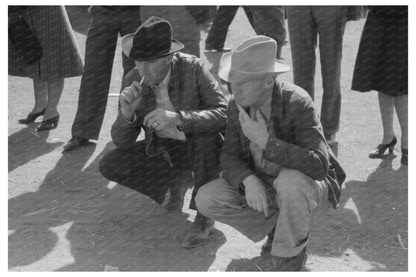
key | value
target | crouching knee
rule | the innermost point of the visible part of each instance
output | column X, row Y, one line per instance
column 203, row 199
column 206, row 198
column 293, row 186
column 107, row 166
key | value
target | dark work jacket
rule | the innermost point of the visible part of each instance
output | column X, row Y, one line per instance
column 299, row 142
column 195, row 94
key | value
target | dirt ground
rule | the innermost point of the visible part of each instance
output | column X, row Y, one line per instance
column 64, row 216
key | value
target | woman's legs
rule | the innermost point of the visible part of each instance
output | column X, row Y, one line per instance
column 41, row 95
column 386, row 103
column 55, row 88
column 401, row 105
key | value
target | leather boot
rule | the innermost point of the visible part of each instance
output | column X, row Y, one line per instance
column 199, row 232
column 296, row 263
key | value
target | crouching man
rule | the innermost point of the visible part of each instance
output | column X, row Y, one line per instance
column 274, row 156
column 177, row 102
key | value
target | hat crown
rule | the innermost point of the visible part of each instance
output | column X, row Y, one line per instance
column 255, row 55
column 152, row 39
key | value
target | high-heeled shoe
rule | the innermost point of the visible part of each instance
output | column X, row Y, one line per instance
column 31, row 117
column 381, row 148
column 404, row 156
column 48, row 124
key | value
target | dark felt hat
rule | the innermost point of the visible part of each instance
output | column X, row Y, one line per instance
column 153, row 39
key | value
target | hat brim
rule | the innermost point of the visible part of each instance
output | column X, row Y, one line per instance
column 228, row 75
column 127, row 45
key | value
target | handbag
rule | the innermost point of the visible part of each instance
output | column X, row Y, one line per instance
column 24, row 40
column 334, row 179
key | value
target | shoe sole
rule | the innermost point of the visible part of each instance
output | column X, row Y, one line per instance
column 72, row 148
column 199, row 244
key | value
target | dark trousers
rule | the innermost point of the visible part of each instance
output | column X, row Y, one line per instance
column 265, row 20
column 270, row 21
column 151, row 176
column 306, row 24
column 219, row 29
column 100, row 48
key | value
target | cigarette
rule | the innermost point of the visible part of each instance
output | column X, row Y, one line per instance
column 141, row 81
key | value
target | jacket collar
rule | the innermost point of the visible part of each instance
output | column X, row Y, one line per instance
column 174, row 81
column 277, row 104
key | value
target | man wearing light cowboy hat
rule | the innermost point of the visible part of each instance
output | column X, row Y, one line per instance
column 178, row 103
column 275, row 161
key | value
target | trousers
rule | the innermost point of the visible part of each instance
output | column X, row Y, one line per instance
column 306, row 24
column 290, row 209
column 151, row 176
column 99, row 56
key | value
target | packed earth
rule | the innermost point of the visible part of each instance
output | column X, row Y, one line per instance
column 64, row 216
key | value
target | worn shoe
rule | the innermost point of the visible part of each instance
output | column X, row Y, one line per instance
column 174, row 201
column 48, row 124
column 296, row 263
column 199, row 232
column 31, row 117
column 75, row 142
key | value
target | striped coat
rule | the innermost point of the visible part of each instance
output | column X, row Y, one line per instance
column 60, row 54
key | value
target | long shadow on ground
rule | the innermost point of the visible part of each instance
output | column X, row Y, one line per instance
column 74, row 222
column 26, row 145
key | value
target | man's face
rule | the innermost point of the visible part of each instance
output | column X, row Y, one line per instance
column 155, row 70
column 250, row 92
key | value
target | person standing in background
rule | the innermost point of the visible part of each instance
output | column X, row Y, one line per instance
column 306, row 24
column 60, row 58
column 265, row 20
column 184, row 25
column 107, row 23
column 382, row 65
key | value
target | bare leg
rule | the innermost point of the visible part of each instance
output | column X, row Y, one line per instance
column 41, row 95
column 55, row 88
column 387, row 111
column 401, row 105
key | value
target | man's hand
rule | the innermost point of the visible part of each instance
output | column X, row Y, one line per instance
column 256, row 196
column 160, row 119
column 255, row 131
column 130, row 99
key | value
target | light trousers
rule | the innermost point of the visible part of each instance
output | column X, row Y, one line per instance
column 290, row 210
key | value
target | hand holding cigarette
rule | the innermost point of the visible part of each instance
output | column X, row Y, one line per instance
column 130, row 99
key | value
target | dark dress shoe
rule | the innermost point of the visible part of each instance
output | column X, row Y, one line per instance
column 199, row 232
column 174, row 202
column 31, row 117
column 405, row 156
column 296, row 263
column 381, row 148
column 75, row 142
column 48, row 124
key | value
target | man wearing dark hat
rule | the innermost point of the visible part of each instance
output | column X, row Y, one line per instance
column 274, row 156
column 178, row 104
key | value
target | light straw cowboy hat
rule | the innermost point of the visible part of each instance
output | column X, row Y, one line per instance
column 153, row 39
column 253, row 57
